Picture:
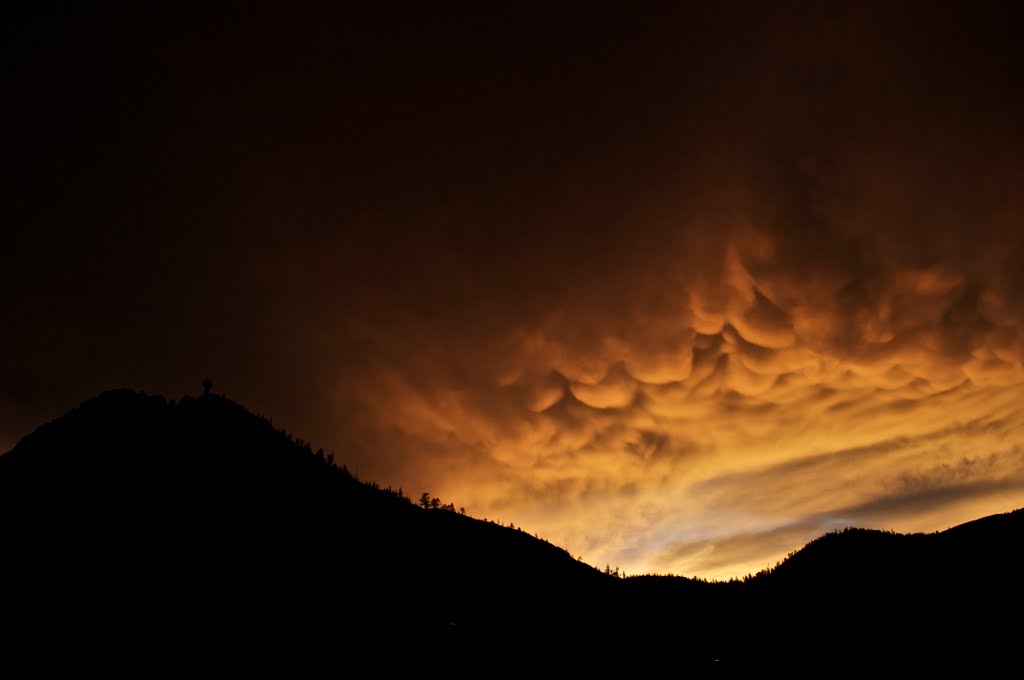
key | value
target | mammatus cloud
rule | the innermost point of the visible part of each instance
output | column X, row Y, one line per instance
column 718, row 429
column 676, row 290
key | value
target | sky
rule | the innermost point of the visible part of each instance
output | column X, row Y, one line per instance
column 678, row 287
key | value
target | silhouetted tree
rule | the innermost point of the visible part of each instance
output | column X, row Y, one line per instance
column 435, row 503
column 207, row 386
column 425, row 500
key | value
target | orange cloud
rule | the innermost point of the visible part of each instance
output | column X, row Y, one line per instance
column 711, row 430
column 674, row 305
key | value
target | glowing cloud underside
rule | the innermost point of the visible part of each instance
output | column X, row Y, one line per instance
column 794, row 304
column 677, row 289
column 715, row 432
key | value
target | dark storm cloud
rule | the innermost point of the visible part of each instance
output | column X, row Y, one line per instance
column 567, row 264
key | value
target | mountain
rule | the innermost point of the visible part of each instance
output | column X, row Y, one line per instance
column 152, row 511
column 141, row 529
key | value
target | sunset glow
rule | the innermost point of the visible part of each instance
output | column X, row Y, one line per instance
column 677, row 291
column 660, row 448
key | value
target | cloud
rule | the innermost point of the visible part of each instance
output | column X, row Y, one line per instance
column 762, row 403
column 728, row 275
column 929, row 500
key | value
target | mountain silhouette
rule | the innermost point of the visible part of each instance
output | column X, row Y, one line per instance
column 142, row 530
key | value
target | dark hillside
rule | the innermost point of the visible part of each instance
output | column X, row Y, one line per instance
column 153, row 511
column 140, row 529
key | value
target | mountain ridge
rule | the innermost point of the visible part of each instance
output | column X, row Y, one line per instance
column 198, row 505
